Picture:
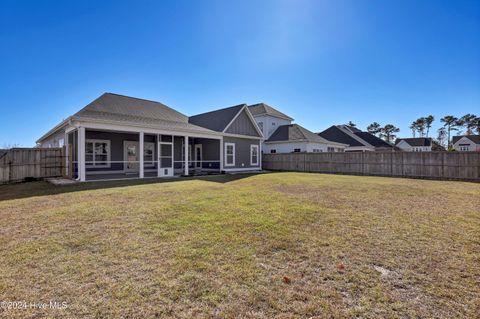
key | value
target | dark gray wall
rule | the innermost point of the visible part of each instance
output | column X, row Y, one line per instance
column 116, row 147
column 243, row 126
column 242, row 151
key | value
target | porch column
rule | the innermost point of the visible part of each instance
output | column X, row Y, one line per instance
column 81, row 154
column 186, row 155
column 221, row 154
column 66, row 157
column 140, row 150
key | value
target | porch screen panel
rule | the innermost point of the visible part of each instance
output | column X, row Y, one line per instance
column 166, row 155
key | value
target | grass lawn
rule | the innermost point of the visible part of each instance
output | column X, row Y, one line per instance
column 279, row 245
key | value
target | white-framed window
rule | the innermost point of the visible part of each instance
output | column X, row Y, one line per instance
column 330, row 149
column 273, row 151
column 253, row 154
column 148, row 151
column 260, row 125
column 464, row 148
column 229, row 154
column 297, row 150
column 61, row 142
column 317, row 150
column 97, row 153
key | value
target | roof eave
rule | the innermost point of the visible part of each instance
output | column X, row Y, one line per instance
column 54, row 129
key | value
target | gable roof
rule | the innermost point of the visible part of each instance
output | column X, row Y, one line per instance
column 334, row 133
column 262, row 109
column 416, row 141
column 110, row 107
column 372, row 139
column 119, row 105
column 474, row 138
column 296, row 133
column 216, row 120
column 353, row 136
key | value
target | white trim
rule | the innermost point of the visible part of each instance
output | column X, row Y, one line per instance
column 109, row 152
column 287, row 118
column 242, row 169
column 226, row 154
column 221, row 155
column 52, row 131
column 252, row 119
column 152, row 162
column 170, row 170
column 243, row 136
column 185, row 152
column 141, row 141
column 81, row 154
column 252, row 146
column 148, row 129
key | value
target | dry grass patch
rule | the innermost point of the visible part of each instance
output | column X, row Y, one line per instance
column 280, row 245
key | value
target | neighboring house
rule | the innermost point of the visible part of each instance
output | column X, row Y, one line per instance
column 415, row 144
column 467, row 143
column 281, row 136
column 293, row 138
column 117, row 136
column 268, row 119
column 357, row 140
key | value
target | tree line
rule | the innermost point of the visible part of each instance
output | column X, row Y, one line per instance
column 421, row 128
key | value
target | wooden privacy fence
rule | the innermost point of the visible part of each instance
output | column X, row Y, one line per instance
column 430, row 165
column 20, row 164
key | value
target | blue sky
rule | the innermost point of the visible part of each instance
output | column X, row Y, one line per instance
column 321, row 62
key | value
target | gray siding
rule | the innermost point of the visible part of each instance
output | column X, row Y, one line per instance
column 242, row 151
column 243, row 126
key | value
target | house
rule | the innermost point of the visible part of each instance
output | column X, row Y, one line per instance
column 467, row 143
column 293, row 138
column 357, row 140
column 118, row 136
column 281, row 136
column 415, row 144
column 268, row 119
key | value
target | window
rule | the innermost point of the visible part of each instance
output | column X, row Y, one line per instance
column 61, row 142
column 297, row 150
column 330, row 149
column 464, row 147
column 260, row 125
column 253, row 154
column 229, row 154
column 148, row 150
column 273, row 151
column 317, row 150
column 97, row 153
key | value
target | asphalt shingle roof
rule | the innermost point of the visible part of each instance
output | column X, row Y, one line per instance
column 416, row 141
column 216, row 120
column 125, row 109
column 372, row 139
column 295, row 132
column 262, row 108
column 473, row 138
column 333, row 133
